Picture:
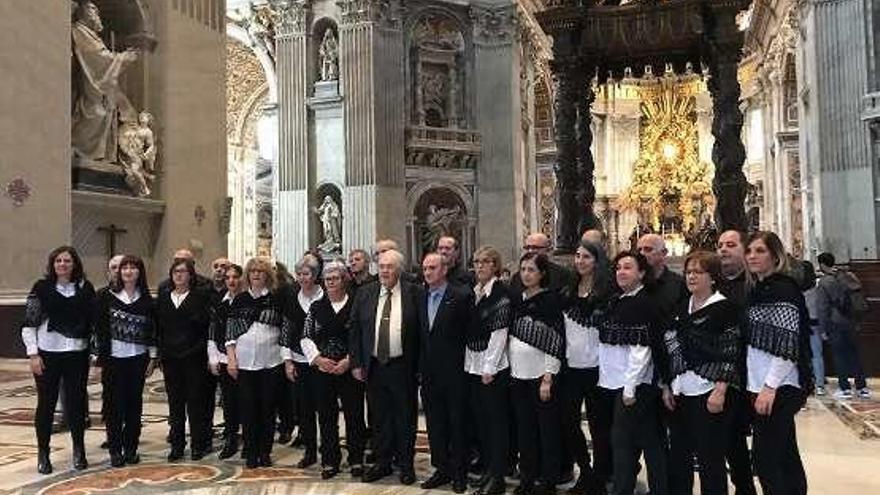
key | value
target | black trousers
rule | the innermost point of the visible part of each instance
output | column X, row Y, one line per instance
column 330, row 390
column 391, row 392
column 74, row 367
column 637, row 429
column 285, row 407
column 258, row 392
column 231, row 404
column 539, row 432
column 491, row 405
column 185, row 386
column 444, row 400
column 125, row 379
column 739, row 459
column 579, row 388
column 304, row 398
column 774, row 445
column 210, row 396
column 694, row 430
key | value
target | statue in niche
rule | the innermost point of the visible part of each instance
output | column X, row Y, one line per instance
column 328, row 53
column 99, row 102
column 137, row 149
column 440, row 222
column 331, row 224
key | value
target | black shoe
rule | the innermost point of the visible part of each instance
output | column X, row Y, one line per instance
column 309, row 459
column 176, row 454
column 198, row 454
column 566, row 477
column 438, row 479
column 545, row 489
column 117, row 459
column 252, row 463
column 370, row 458
column 459, row 485
column 230, row 448
column 496, row 486
column 44, row 466
column 357, row 470
column 329, row 472
column 376, row 473
column 481, row 481
column 132, row 457
column 265, row 460
column 79, row 458
column 407, row 477
column 524, row 489
column 284, row 437
column 105, row 444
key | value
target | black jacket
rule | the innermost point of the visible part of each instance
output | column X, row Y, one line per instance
column 442, row 355
column 183, row 332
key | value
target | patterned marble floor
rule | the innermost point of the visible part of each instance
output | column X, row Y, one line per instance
column 840, row 444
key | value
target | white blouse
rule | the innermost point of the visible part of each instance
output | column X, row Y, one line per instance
column 37, row 339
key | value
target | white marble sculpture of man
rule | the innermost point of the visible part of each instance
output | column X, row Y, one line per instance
column 137, row 148
column 329, row 56
column 331, row 220
column 100, row 100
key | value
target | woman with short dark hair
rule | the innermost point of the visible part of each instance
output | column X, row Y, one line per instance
column 183, row 318
column 57, row 328
column 536, row 349
column 778, row 364
column 126, row 337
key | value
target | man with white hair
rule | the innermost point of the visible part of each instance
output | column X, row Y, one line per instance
column 385, row 324
column 669, row 290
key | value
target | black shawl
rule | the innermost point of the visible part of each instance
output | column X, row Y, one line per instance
column 134, row 323
column 247, row 310
column 327, row 328
column 219, row 319
column 707, row 342
column 636, row 321
column 779, row 324
column 70, row 316
column 538, row 322
column 494, row 312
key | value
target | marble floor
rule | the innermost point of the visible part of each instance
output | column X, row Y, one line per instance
column 839, row 441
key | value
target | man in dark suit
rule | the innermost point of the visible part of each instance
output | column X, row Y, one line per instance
column 447, row 310
column 386, row 320
column 456, row 270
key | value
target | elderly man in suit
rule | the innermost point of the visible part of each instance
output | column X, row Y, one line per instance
column 386, row 320
column 448, row 307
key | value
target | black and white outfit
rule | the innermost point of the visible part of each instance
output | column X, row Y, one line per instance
column 304, row 392
column 486, row 354
column 228, row 386
column 182, row 321
column 778, row 357
column 125, row 333
column 326, row 334
column 58, row 327
column 704, row 346
column 257, row 328
column 579, row 385
column 631, row 346
column 537, row 347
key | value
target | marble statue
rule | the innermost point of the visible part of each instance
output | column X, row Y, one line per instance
column 440, row 222
column 328, row 54
column 331, row 224
column 99, row 102
column 137, row 149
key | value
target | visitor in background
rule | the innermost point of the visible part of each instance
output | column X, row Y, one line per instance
column 255, row 331
column 837, row 320
column 219, row 362
column 486, row 362
column 778, row 364
column 631, row 357
column 584, row 310
column 182, row 321
column 125, row 333
column 536, row 349
column 817, row 336
column 704, row 345
column 56, row 332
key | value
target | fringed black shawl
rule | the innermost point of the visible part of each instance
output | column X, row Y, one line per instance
column 247, row 310
column 538, row 322
column 636, row 321
column 494, row 312
column 707, row 342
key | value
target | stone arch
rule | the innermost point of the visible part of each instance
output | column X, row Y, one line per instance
column 460, row 222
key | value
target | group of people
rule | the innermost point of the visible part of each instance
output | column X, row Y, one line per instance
column 671, row 367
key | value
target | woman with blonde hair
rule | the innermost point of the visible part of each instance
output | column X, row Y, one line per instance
column 255, row 331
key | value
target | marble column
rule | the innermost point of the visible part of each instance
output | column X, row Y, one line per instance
column 497, row 99
column 729, row 185
column 372, row 86
column 291, row 216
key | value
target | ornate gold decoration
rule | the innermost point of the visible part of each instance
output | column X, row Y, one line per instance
column 671, row 187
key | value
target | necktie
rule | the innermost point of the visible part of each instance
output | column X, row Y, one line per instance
column 432, row 310
column 383, row 347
